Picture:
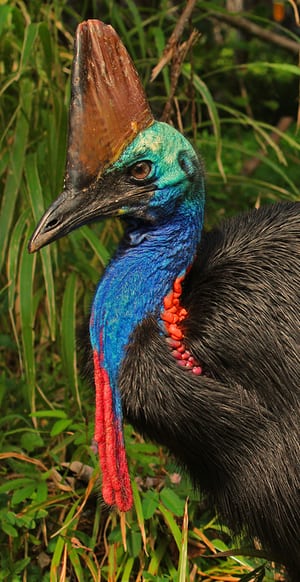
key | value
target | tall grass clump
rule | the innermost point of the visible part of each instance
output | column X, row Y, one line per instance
column 228, row 93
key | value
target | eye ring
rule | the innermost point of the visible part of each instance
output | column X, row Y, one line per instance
column 141, row 170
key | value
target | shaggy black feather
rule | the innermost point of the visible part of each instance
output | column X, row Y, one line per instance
column 236, row 429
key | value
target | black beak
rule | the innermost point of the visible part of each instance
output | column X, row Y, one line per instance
column 68, row 212
column 53, row 224
column 108, row 109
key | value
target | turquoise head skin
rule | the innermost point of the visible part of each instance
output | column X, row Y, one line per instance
column 177, row 173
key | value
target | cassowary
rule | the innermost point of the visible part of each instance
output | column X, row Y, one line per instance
column 195, row 337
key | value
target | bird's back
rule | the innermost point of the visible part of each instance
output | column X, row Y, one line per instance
column 235, row 427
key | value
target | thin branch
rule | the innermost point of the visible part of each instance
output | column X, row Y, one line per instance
column 174, row 39
column 178, row 59
column 264, row 34
column 296, row 11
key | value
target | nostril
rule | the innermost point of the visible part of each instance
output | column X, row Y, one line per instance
column 51, row 224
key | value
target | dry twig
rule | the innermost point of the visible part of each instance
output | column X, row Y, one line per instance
column 264, row 34
column 174, row 39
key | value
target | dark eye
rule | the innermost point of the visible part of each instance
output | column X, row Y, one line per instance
column 141, row 170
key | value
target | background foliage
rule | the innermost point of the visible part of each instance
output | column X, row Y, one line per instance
column 236, row 96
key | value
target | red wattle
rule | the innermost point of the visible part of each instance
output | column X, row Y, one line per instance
column 172, row 315
column 116, row 486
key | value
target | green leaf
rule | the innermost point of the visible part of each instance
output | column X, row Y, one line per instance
column 21, row 565
column 9, row 529
column 5, row 17
column 14, row 484
column 25, row 493
column 150, row 503
column 59, row 426
column 134, row 542
column 56, row 127
column 26, row 521
column 172, row 501
column 41, row 495
column 49, row 414
column 31, row 440
column 262, row 67
column 41, row 513
column 60, row 543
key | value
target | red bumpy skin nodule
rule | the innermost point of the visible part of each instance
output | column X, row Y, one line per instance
column 172, row 315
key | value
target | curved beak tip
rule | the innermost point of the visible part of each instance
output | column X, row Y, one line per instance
column 31, row 246
column 38, row 240
column 51, row 225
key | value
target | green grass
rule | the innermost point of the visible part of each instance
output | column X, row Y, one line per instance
column 53, row 527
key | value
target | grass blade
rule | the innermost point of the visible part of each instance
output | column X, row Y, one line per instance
column 56, row 560
column 15, row 168
column 183, row 553
column 208, row 99
column 139, row 26
column 68, row 335
column 172, row 525
column 95, row 244
column 12, row 274
column 27, row 316
column 30, row 36
column 157, row 556
column 75, row 561
column 37, row 205
column 139, row 513
column 127, row 570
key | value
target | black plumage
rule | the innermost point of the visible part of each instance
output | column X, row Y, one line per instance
column 236, row 427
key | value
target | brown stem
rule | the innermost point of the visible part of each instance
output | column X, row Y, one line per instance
column 244, row 24
column 174, row 39
column 178, row 59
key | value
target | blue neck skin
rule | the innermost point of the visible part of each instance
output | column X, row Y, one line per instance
column 139, row 277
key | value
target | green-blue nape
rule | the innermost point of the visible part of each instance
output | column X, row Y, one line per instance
column 177, row 171
column 156, row 250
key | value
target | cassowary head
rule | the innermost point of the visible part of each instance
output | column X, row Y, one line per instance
column 120, row 161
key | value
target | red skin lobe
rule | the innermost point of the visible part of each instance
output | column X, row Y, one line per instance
column 172, row 315
column 116, row 487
